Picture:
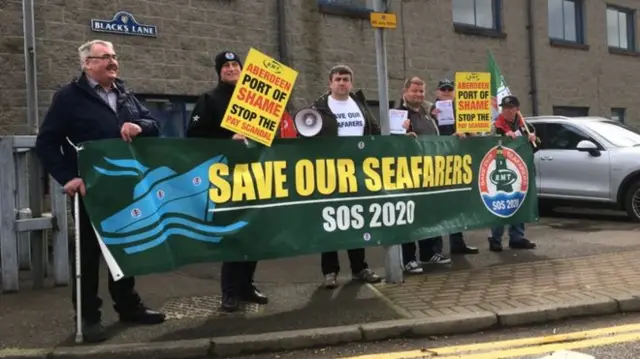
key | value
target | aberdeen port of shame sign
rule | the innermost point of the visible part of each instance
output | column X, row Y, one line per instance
column 125, row 24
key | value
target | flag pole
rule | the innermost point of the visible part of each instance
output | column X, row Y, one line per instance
column 526, row 128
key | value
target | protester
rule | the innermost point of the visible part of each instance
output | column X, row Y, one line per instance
column 419, row 123
column 446, row 91
column 345, row 114
column 508, row 123
column 95, row 106
column 236, row 278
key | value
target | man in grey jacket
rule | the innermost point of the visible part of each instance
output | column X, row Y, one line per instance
column 419, row 123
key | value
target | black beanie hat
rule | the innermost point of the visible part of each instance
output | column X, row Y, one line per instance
column 224, row 57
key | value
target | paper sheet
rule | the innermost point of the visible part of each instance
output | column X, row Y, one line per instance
column 396, row 119
column 445, row 112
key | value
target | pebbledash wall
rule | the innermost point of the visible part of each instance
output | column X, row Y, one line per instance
column 585, row 62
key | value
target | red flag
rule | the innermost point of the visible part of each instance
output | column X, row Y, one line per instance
column 287, row 128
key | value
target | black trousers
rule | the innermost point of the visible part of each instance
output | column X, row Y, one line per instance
column 426, row 247
column 331, row 264
column 122, row 292
column 236, row 278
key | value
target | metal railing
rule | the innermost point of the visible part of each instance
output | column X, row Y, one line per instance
column 24, row 243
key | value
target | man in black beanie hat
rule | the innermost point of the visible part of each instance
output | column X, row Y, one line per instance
column 236, row 278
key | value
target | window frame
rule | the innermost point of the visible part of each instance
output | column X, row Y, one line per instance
column 580, row 28
column 495, row 31
column 631, row 28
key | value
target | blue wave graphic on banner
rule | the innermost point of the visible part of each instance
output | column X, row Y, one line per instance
column 164, row 204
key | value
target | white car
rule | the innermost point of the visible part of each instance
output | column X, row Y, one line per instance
column 590, row 161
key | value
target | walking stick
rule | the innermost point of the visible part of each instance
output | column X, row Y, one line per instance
column 76, row 212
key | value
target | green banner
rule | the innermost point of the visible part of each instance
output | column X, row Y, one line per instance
column 162, row 203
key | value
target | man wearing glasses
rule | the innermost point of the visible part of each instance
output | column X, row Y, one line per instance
column 446, row 92
column 95, row 106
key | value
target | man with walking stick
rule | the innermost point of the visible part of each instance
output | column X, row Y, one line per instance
column 95, row 106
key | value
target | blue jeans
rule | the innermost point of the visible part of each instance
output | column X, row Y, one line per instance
column 516, row 233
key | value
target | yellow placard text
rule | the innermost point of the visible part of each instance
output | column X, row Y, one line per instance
column 259, row 98
column 473, row 102
column 326, row 177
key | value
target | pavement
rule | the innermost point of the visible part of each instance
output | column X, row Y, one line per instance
column 584, row 265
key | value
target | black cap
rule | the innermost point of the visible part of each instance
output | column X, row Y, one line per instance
column 445, row 83
column 224, row 57
column 510, row 101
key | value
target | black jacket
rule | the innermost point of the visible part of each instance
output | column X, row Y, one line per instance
column 78, row 113
column 330, row 122
column 209, row 111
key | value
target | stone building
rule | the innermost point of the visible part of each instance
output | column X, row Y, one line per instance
column 582, row 56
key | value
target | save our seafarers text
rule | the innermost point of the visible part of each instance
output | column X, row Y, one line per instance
column 327, row 177
column 473, row 101
column 259, row 98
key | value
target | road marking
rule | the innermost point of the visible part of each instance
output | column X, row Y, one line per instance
column 510, row 353
column 535, row 345
column 563, row 354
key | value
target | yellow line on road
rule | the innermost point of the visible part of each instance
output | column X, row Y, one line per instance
column 537, row 342
column 542, row 349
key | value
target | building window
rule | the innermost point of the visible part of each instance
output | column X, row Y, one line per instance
column 374, row 107
column 352, row 8
column 570, row 111
column 620, row 28
column 477, row 13
column 171, row 111
column 565, row 20
column 617, row 113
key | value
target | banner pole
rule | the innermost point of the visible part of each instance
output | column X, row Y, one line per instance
column 76, row 207
column 393, row 254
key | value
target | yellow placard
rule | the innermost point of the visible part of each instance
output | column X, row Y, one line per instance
column 259, row 98
column 473, row 102
column 383, row 20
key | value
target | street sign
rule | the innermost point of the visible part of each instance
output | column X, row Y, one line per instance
column 383, row 20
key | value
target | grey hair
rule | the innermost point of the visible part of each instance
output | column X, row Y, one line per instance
column 85, row 49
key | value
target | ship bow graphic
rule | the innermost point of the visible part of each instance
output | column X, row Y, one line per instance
column 164, row 204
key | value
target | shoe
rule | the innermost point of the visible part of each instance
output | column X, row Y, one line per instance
column 254, row 296
column 367, row 276
column 143, row 315
column 495, row 246
column 465, row 250
column 93, row 332
column 439, row 259
column 229, row 303
column 522, row 244
column 330, row 281
column 413, row 268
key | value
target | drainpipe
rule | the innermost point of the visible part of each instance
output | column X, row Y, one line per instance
column 283, row 49
column 532, row 58
column 30, row 66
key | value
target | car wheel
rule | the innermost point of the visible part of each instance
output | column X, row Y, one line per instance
column 632, row 202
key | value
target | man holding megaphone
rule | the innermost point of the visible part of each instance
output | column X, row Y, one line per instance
column 339, row 112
